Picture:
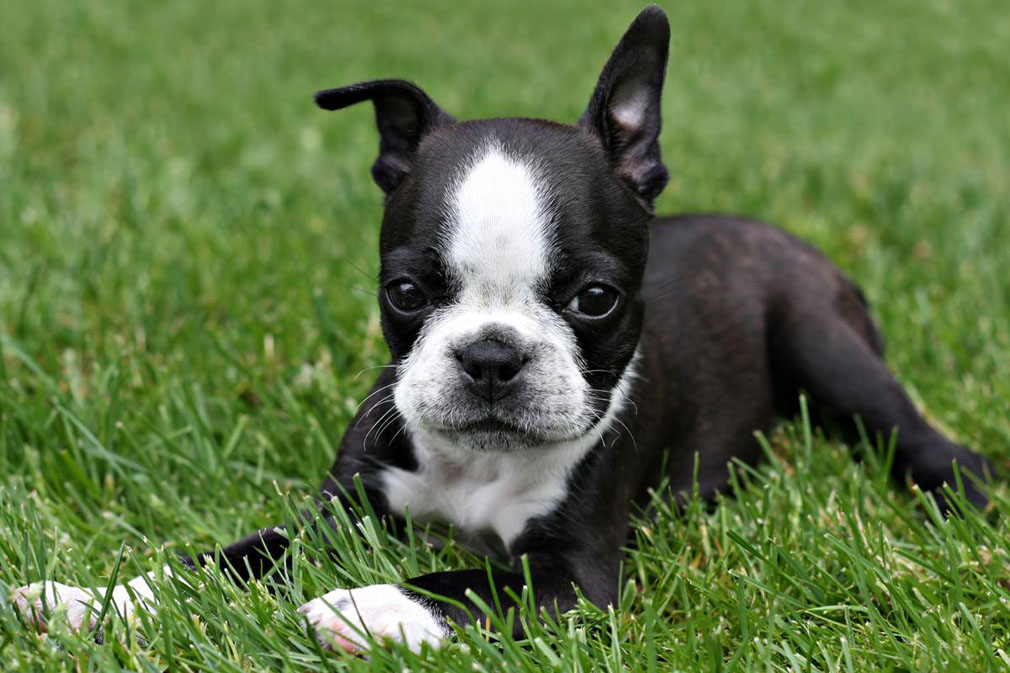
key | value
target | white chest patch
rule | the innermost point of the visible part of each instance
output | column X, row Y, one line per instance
column 484, row 493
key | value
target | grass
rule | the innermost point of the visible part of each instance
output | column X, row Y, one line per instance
column 187, row 263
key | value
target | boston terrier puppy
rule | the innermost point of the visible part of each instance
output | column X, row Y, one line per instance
column 557, row 351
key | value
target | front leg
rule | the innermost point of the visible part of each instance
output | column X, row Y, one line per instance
column 423, row 608
column 51, row 604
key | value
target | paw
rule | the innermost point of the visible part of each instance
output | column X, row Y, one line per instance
column 51, row 604
column 354, row 620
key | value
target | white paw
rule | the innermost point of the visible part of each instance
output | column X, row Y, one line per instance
column 351, row 620
column 51, row 604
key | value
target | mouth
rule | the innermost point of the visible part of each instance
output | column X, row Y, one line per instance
column 492, row 426
column 488, row 425
column 502, row 435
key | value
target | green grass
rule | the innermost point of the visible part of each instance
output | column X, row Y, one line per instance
column 187, row 255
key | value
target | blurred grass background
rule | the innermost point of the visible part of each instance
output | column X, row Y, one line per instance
column 188, row 253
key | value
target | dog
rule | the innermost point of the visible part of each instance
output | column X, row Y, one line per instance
column 544, row 377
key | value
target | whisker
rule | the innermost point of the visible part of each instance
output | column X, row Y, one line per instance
column 373, row 394
column 387, row 424
column 379, row 403
column 368, row 369
column 403, row 429
column 374, row 428
column 361, row 290
column 366, row 274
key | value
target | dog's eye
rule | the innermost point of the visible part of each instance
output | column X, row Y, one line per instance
column 405, row 296
column 594, row 301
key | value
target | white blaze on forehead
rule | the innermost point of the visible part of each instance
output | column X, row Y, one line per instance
column 498, row 238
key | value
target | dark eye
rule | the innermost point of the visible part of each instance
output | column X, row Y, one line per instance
column 594, row 301
column 405, row 296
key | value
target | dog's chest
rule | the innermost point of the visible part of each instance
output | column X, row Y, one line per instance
column 488, row 498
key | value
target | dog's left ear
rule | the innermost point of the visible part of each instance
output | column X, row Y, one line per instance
column 624, row 112
column 404, row 115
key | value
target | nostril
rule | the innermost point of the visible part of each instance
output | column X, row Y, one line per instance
column 473, row 368
column 508, row 370
column 470, row 363
column 490, row 362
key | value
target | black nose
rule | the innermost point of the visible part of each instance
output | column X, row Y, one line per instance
column 491, row 367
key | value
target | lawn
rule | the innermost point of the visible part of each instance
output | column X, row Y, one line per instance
column 187, row 315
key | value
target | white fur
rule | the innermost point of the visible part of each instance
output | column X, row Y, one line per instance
column 499, row 240
column 59, row 604
column 488, row 492
column 346, row 619
column 498, row 253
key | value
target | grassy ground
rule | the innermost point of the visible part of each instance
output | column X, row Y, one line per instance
column 187, row 254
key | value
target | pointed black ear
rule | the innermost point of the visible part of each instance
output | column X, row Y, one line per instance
column 404, row 115
column 624, row 111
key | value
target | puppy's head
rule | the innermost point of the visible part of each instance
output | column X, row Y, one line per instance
column 512, row 253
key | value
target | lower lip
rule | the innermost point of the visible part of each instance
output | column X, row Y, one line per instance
column 489, row 427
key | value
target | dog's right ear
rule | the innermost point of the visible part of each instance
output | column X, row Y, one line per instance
column 404, row 115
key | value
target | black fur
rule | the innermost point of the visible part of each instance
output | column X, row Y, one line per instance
column 403, row 115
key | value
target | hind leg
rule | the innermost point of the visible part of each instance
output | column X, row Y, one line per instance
column 844, row 374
